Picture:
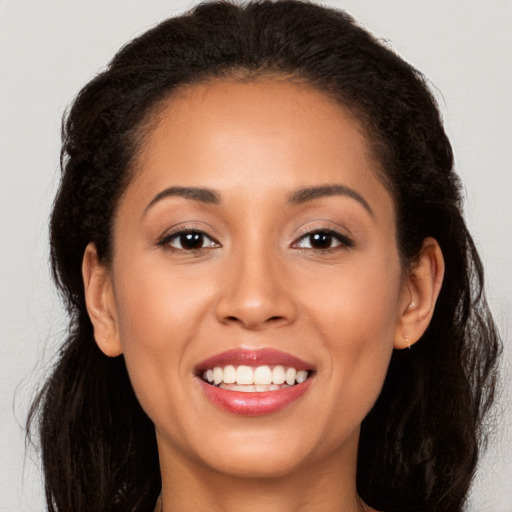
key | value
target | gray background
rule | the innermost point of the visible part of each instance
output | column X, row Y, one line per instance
column 49, row 49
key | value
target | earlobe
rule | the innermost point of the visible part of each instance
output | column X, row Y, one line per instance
column 99, row 298
column 420, row 292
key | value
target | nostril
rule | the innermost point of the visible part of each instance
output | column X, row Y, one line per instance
column 270, row 320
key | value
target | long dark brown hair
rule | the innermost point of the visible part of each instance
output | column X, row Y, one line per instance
column 419, row 445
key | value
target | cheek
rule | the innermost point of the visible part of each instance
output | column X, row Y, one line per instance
column 355, row 309
column 157, row 313
column 354, row 299
column 158, row 306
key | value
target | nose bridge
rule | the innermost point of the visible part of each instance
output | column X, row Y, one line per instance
column 254, row 294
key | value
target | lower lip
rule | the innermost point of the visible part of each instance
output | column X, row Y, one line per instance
column 254, row 404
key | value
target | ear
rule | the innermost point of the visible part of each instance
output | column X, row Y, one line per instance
column 100, row 301
column 419, row 294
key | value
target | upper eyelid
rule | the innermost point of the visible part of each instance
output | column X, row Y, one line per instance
column 345, row 240
column 169, row 235
column 190, row 225
column 343, row 233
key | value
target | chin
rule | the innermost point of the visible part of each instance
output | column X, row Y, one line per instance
column 259, row 465
column 256, row 458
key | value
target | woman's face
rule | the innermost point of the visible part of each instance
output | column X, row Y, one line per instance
column 255, row 235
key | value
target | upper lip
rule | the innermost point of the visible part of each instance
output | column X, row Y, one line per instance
column 252, row 357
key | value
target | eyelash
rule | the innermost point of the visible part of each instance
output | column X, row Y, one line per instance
column 343, row 240
column 166, row 240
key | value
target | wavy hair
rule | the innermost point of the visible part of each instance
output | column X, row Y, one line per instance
column 419, row 444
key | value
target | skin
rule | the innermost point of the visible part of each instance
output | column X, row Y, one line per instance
column 259, row 283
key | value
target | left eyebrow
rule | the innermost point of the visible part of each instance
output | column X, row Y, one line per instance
column 303, row 195
column 203, row 195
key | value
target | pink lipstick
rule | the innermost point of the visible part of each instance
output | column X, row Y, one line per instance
column 263, row 356
column 254, row 382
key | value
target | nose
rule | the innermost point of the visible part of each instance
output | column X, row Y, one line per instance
column 255, row 294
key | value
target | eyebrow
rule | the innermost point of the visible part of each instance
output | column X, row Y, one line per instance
column 203, row 195
column 303, row 195
column 300, row 196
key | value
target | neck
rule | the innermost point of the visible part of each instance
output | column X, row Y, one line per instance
column 329, row 485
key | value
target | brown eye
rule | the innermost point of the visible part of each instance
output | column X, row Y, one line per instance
column 320, row 240
column 323, row 241
column 189, row 241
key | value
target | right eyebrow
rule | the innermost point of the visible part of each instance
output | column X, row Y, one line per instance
column 306, row 194
column 204, row 195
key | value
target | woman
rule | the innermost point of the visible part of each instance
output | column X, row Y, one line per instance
column 275, row 303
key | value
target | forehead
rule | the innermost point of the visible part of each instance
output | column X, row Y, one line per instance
column 268, row 135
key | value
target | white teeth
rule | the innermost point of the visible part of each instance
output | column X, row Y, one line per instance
column 290, row 376
column 218, row 375
column 278, row 375
column 244, row 375
column 260, row 378
column 302, row 375
column 238, row 387
column 263, row 375
column 252, row 388
column 229, row 374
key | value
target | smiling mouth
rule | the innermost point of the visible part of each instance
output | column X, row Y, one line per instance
column 254, row 382
column 254, row 379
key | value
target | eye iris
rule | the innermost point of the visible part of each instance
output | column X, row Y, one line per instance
column 191, row 240
column 320, row 240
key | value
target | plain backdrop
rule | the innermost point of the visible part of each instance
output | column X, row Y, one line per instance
column 50, row 48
